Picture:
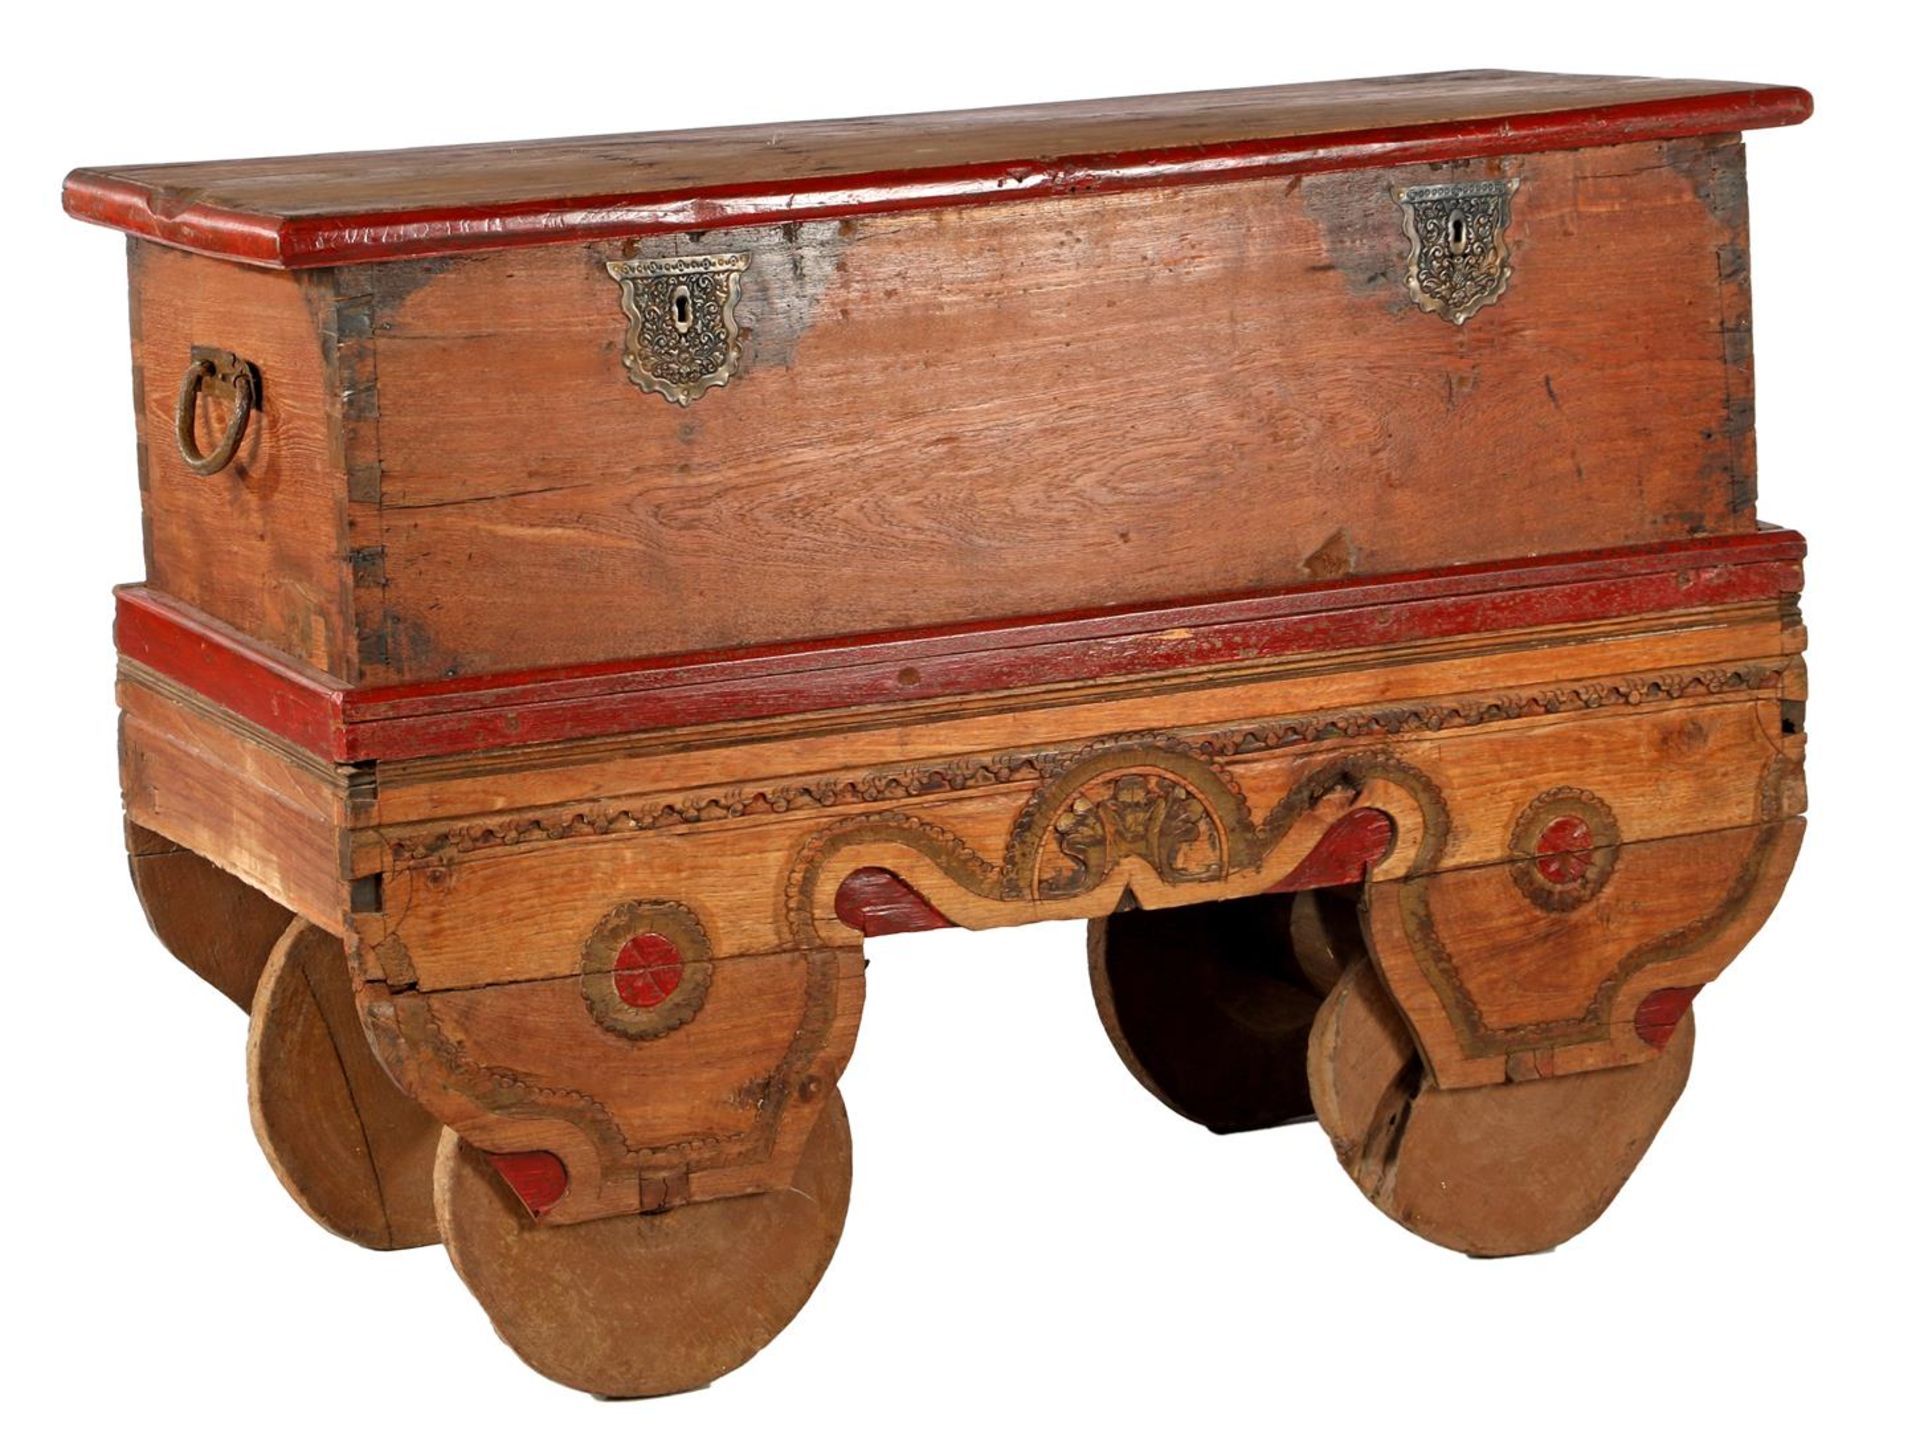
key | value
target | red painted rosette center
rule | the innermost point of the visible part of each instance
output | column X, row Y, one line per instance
column 1564, row 850
column 647, row 970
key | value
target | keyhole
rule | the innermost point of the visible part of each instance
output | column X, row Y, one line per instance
column 1457, row 231
column 682, row 308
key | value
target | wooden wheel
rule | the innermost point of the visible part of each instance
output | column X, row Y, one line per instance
column 220, row 927
column 353, row 1150
column 1493, row 1171
column 1208, row 1009
column 647, row 1304
column 1324, row 929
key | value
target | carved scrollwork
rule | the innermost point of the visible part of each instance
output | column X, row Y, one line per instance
column 1155, row 799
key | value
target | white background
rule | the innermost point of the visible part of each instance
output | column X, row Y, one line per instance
column 1033, row 1238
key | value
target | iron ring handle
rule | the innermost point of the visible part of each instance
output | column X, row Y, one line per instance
column 234, row 374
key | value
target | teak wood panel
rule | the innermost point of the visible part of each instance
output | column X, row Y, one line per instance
column 1498, row 983
column 989, row 413
column 273, row 817
column 358, row 207
column 261, row 545
column 956, row 415
column 515, row 897
column 700, row 775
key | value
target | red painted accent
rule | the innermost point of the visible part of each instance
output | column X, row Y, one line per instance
column 1659, row 1014
column 469, row 713
column 1355, row 842
column 233, row 670
column 1565, row 848
column 878, row 901
column 324, row 239
column 539, row 1179
column 647, row 970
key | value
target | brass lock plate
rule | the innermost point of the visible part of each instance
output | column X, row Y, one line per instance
column 682, row 339
column 1458, row 260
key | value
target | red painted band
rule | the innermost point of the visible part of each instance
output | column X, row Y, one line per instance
column 255, row 682
column 470, row 713
column 327, row 240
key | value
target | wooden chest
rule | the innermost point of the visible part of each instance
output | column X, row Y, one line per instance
column 592, row 585
column 964, row 367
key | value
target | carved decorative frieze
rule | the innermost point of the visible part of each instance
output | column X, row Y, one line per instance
column 891, row 784
column 1160, row 801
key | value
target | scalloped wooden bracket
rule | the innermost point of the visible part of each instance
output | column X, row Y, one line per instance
column 1501, row 987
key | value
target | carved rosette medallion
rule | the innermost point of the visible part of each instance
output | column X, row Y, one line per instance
column 646, row 969
column 1564, row 847
column 1457, row 263
column 681, row 335
column 1149, row 816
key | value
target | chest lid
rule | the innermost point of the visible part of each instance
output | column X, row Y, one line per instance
column 328, row 209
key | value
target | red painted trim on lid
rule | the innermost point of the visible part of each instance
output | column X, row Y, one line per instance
column 327, row 240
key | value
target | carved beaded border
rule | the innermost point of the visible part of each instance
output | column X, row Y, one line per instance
column 902, row 782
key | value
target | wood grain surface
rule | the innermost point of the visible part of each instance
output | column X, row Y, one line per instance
column 269, row 814
column 948, row 393
column 1505, row 1170
column 647, row 1305
column 1500, row 989
column 351, row 1149
column 945, row 389
column 348, row 208
column 216, row 924
column 473, row 713
column 260, row 545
